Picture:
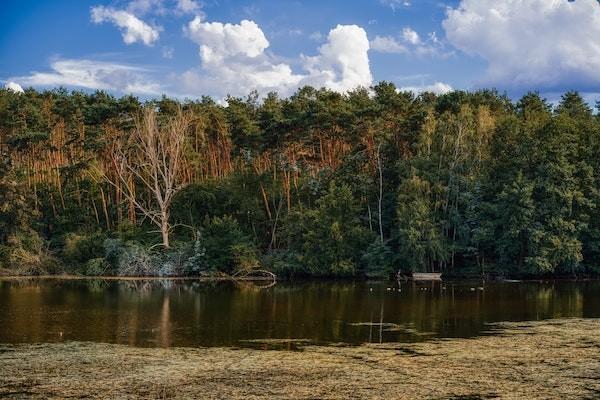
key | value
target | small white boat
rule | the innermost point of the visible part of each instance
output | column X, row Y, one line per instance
column 426, row 276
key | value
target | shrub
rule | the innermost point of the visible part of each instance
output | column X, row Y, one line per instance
column 129, row 258
column 96, row 267
column 129, row 232
column 244, row 256
column 285, row 263
column 226, row 245
column 135, row 260
column 378, row 260
column 196, row 263
column 78, row 249
column 24, row 252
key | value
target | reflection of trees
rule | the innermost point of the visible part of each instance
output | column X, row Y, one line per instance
column 98, row 285
column 554, row 299
column 254, row 285
column 190, row 312
column 165, row 323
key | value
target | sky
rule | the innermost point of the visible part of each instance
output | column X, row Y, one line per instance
column 191, row 48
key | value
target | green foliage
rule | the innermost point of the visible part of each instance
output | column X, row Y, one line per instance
column 78, row 249
column 96, row 267
column 197, row 262
column 422, row 245
column 227, row 247
column 378, row 260
column 130, row 259
column 330, row 239
column 513, row 217
column 540, row 187
column 20, row 244
column 469, row 182
column 15, row 213
column 24, row 250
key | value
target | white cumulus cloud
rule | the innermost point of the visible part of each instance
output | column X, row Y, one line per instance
column 96, row 75
column 219, row 41
column 533, row 44
column 133, row 29
column 343, row 62
column 234, row 61
column 13, row 86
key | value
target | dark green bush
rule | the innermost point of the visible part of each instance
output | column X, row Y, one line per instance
column 378, row 260
column 227, row 246
column 78, row 249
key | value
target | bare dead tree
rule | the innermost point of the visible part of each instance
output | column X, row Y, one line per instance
column 153, row 157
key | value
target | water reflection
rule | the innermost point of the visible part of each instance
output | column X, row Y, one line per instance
column 189, row 313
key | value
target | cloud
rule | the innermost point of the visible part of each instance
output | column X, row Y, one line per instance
column 234, row 61
column 13, row 86
column 237, row 80
column 410, row 42
column 396, row 4
column 387, row 44
column 95, row 75
column 343, row 62
column 219, row 41
column 530, row 44
column 437, row 88
column 142, row 7
column 188, row 6
column 316, row 36
column 164, row 7
column 133, row 29
column 167, row 52
column 411, row 36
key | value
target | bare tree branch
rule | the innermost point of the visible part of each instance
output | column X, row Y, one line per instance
column 154, row 156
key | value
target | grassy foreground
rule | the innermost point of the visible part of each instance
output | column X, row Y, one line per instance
column 548, row 359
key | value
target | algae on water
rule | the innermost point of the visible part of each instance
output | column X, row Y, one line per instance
column 527, row 360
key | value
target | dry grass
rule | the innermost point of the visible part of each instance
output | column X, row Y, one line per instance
column 539, row 360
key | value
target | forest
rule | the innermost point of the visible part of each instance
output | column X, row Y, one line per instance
column 319, row 184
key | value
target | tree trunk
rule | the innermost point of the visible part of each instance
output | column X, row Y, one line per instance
column 164, row 228
column 380, row 191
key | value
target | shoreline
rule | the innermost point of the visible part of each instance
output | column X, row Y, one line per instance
column 130, row 278
column 544, row 359
column 285, row 279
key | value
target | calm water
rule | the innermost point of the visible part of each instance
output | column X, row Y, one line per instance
column 188, row 313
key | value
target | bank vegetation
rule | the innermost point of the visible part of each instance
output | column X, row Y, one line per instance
column 318, row 184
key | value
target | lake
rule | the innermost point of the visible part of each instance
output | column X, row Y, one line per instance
column 166, row 313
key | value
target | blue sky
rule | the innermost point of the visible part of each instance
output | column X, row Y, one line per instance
column 189, row 48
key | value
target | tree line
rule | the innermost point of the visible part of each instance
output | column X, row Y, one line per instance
column 318, row 184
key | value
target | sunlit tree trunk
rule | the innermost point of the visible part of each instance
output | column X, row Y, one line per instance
column 380, row 199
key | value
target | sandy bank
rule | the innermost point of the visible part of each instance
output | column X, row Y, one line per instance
column 551, row 359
